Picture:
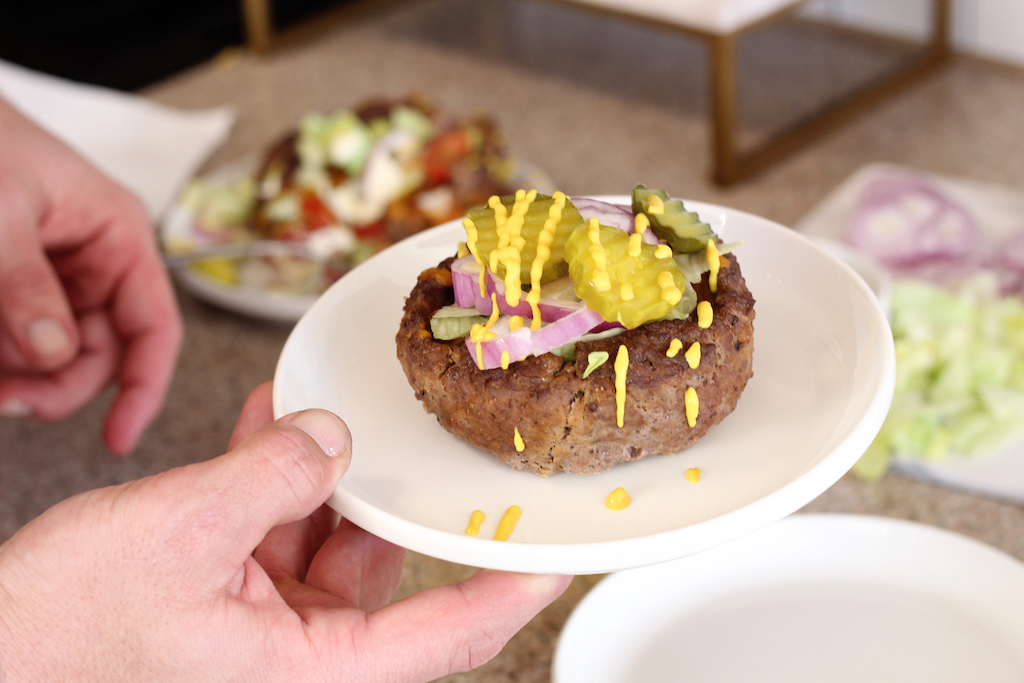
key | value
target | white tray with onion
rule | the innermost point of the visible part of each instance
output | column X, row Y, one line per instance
column 954, row 251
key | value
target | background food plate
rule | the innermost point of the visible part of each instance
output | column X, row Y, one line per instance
column 823, row 379
column 998, row 211
column 178, row 226
column 811, row 598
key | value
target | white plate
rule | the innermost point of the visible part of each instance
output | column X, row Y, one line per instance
column 823, row 378
column 811, row 598
column 874, row 274
column 999, row 212
column 257, row 302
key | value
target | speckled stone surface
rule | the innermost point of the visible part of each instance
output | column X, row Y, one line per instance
column 599, row 105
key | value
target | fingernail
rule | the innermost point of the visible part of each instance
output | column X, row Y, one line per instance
column 48, row 337
column 547, row 584
column 330, row 433
column 14, row 407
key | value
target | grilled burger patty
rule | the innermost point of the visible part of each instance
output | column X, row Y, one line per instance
column 568, row 423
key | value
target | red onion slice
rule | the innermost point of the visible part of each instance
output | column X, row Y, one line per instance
column 466, row 282
column 551, row 309
column 941, row 271
column 1009, row 264
column 901, row 221
column 612, row 215
column 1010, row 253
column 525, row 342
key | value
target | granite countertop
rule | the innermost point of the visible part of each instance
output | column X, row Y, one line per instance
column 599, row 105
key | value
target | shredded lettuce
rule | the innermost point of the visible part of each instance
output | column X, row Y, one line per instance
column 959, row 373
column 216, row 207
column 595, row 359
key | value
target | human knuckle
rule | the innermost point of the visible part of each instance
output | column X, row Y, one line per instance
column 479, row 646
column 28, row 279
column 288, row 455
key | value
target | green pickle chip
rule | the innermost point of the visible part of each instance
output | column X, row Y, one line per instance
column 631, row 295
column 533, row 222
column 681, row 229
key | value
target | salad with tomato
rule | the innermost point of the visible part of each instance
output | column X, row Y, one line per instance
column 347, row 185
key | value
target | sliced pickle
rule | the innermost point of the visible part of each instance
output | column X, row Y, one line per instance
column 533, row 222
column 629, row 289
column 681, row 229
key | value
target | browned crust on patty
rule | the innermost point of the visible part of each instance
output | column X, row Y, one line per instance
column 568, row 423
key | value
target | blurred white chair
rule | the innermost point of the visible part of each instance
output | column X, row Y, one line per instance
column 721, row 23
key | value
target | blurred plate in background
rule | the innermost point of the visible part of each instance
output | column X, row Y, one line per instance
column 808, row 599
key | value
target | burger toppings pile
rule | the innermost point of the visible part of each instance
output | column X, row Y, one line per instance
column 587, row 267
column 572, row 334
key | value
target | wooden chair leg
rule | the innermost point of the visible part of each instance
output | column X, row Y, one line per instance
column 731, row 164
column 259, row 28
column 722, row 77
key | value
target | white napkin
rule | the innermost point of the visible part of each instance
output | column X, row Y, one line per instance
column 148, row 147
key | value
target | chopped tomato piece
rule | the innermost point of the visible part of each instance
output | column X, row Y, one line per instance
column 443, row 153
column 315, row 213
column 372, row 231
column 293, row 230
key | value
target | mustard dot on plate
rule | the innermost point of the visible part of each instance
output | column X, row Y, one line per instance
column 617, row 500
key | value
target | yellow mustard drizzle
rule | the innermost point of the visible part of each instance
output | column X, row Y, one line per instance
column 535, row 322
column 511, row 242
column 475, row 520
column 472, row 236
column 505, row 360
column 500, row 218
column 673, row 348
column 693, row 475
column 621, row 366
column 714, row 263
column 517, row 440
column 655, row 204
column 669, row 291
column 692, row 355
column 481, row 333
column 641, row 222
column 705, row 315
column 692, row 404
column 626, row 291
column 617, row 500
column 635, row 241
column 544, row 240
column 515, row 322
column 662, row 251
column 463, row 249
column 600, row 280
column 507, row 523
column 514, row 251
